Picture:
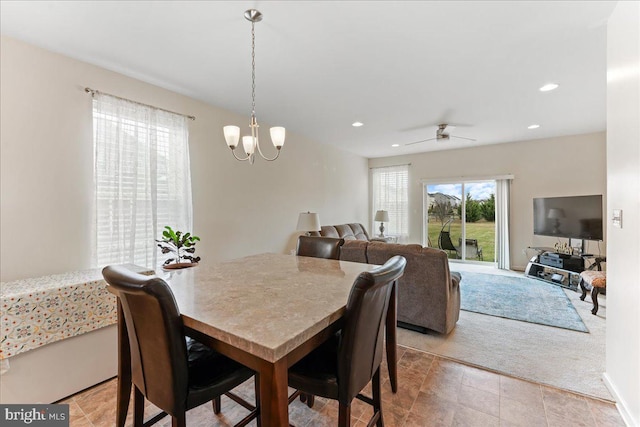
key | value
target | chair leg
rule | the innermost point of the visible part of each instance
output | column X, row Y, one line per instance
column 217, row 405
column 179, row 420
column 138, row 408
column 344, row 415
column 377, row 401
column 594, row 298
column 311, row 399
column 584, row 290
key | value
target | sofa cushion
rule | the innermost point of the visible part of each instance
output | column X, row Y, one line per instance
column 345, row 231
column 354, row 250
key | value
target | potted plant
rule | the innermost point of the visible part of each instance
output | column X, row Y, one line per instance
column 181, row 245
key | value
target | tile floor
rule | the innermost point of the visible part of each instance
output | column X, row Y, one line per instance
column 433, row 391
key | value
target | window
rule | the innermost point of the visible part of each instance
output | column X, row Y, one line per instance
column 142, row 179
column 461, row 211
column 474, row 210
column 390, row 193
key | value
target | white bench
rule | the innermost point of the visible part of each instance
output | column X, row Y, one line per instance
column 58, row 335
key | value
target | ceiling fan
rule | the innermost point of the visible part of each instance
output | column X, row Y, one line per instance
column 443, row 133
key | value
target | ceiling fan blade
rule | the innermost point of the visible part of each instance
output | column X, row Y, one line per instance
column 462, row 137
column 418, row 142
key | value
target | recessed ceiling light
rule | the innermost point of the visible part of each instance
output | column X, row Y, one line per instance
column 357, row 124
column 533, row 127
column 395, row 145
column 548, row 87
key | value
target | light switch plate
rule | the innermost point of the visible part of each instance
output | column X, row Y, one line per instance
column 616, row 218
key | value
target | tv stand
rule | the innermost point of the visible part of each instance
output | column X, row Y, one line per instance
column 558, row 269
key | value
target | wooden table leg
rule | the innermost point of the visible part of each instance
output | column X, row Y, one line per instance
column 392, row 339
column 273, row 384
column 124, row 370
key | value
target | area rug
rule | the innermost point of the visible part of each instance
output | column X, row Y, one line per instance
column 519, row 298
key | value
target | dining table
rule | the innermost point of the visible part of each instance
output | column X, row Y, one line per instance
column 265, row 311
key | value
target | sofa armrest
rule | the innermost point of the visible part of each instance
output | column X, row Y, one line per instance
column 455, row 279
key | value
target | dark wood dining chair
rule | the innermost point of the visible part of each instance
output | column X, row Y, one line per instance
column 319, row 247
column 174, row 372
column 342, row 367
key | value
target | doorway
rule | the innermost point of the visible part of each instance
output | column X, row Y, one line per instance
column 457, row 212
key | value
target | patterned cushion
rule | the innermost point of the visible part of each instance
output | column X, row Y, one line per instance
column 597, row 279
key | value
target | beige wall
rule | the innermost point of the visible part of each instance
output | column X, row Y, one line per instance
column 46, row 156
column 563, row 166
column 623, row 189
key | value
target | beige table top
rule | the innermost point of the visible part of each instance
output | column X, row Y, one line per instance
column 267, row 304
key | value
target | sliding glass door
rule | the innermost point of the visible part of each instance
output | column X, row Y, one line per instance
column 459, row 218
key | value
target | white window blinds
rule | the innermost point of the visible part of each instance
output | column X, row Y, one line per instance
column 142, row 179
column 391, row 193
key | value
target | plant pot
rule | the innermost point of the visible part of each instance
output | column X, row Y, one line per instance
column 179, row 265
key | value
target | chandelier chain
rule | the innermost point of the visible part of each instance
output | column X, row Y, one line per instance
column 253, row 69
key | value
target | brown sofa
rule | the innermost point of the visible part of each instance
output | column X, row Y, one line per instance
column 428, row 293
column 343, row 231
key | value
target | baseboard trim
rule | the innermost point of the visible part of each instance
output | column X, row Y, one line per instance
column 621, row 405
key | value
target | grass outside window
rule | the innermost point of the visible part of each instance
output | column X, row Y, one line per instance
column 483, row 231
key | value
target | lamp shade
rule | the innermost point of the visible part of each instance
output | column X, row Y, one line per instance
column 231, row 135
column 382, row 216
column 278, row 134
column 308, row 221
column 555, row 213
column 249, row 144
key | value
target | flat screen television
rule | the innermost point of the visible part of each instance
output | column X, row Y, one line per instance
column 573, row 217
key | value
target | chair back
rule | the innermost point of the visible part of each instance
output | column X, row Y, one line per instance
column 473, row 250
column 444, row 241
column 159, row 366
column 319, row 247
column 360, row 351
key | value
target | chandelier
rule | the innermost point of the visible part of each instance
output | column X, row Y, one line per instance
column 251, row 143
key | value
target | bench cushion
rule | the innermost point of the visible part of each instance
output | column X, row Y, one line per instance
column 597, row 279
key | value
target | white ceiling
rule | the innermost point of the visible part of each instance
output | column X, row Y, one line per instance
column 401, row 67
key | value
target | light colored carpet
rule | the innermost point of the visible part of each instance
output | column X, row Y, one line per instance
column 557, row 357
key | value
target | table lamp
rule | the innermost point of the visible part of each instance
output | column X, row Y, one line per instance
column 308, row 221
column 382, row 216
